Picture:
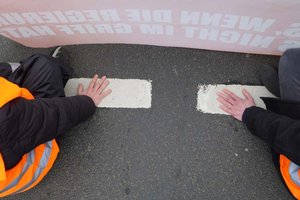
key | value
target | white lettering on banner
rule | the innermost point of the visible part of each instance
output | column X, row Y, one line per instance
column 56, row 17
column 92, row 15
column 117, row 28
column 123, row 28
column 3, row 22
column 90, row 29
column 28, row 32
column 187, row 17
column 33, row 18
column 43, row 30
column 229, row 36
column 245, row 39
column 232, row 37
column 190, row 31
column 206, row 34
column 227, row 28
column 66, row 29
column 135, row 15
column 97, row 28
column 211, row 19
column 195, row 18
column 293, row 30
column 256, row 23
column 62, row 18
column 110, row 15
column 49, row 17
column 10, row 32
column 75, row 16
column 226, row 21
column 157, row 29
column 230, row 21
column 104, row 28
column 78, row 28
column 163, row 16
column 262, row 41
column 13, row 18
column 289, row 44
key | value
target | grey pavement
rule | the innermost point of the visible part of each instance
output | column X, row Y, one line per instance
column 170, row 151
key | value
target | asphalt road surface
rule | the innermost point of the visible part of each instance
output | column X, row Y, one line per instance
column 170, row 151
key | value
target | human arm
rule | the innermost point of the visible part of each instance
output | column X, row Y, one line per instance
column 33, row 122
column 280, row 132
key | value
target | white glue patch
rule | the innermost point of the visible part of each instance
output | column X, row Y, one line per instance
column 126, row 93
column 207, row 96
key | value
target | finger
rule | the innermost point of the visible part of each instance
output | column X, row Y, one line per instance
column 226, row 97
column 103, row 86
column 231, row 94
column 246, row 94
column 106, row 93
column 103, row 95
column 99, row 83
column 225, row 109
column 93, row 82
column 80, row 89
column 224, row 102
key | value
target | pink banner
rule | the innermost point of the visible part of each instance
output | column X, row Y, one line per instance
column 251, row 26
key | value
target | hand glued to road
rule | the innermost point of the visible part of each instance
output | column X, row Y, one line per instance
column 97, row 89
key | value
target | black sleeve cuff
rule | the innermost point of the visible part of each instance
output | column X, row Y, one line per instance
column 249, row 116
column 74, row 110
column 87, row 105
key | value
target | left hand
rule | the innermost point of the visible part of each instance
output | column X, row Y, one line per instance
column 234, row 105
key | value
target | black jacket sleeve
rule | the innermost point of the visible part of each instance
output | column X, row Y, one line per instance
column 40, row 120
column 280, row 132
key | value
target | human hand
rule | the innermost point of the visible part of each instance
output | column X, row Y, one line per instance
column 96, row 89
column 234, row 105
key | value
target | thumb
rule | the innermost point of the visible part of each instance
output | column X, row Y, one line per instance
column 80, row 89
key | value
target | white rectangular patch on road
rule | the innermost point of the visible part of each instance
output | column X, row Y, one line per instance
column 207, row 96
column 126, row 93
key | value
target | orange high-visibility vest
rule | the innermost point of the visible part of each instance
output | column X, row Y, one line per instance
column 34, row 165
column 291, row 175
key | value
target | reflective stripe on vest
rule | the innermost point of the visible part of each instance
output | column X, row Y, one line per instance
column 291, row 175
column 34, row 165
column 294, row 173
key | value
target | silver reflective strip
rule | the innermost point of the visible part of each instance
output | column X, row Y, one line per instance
column 14, row 66
column 42, row 165
column 293, row 170
column 29, row 161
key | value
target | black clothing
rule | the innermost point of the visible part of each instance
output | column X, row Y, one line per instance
column 279, row 125
column 289, row 75
column 25, row 124
column 282, row 133
column 268, row 76
column 43, row 76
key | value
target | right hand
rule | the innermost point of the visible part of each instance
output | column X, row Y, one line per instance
column 96, row 89
column 234, row 105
